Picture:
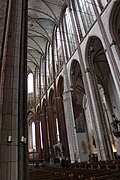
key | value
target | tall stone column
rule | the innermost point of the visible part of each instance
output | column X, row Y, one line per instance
column 38, row 140
column 22, row 96
column 52, row 130
column 67, row 101
column 52, row 124
column 5, row 12
column 45, row 136
column 62, row 125
column 37, row 123
column 13, row 153
column 30, row 147
column 103, row 140
column 5, row 22
column 69, row 119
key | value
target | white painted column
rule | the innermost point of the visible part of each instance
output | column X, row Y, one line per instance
column 69, row 119
column 99, row 136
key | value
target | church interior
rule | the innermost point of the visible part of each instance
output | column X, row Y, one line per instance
column 60, row 89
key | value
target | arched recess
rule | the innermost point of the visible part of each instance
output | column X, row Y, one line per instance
column 104, row 91
column 34, row 141
column 78, row 96
column 115, row 24
column 45, row 132
column 60, row 118
column 37, row 133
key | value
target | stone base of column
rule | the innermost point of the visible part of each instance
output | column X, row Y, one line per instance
column 51, row 161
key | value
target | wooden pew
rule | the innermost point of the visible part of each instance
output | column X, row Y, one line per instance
column 84, row 171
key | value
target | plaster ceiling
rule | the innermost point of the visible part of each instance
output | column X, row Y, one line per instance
column 43, row 15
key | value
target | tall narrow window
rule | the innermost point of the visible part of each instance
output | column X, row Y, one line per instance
column 49, row 68
column 58, row 134
column 37, row 82
column 99, row 5
column 58, row 39
column 42, row 76
column 30, row 83
column 58, row 51
column 33, row 136
column 69, row 33
column 85, row 14
column 50, row 63
column 41, row 137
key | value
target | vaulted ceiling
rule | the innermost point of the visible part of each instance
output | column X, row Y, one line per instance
column 43, row 15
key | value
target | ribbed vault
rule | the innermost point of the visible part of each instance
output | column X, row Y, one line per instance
column 43, row 15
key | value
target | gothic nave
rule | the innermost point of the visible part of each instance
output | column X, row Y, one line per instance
column 59, row 83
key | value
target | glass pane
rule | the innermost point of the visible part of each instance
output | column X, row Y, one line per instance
column 30, row 83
